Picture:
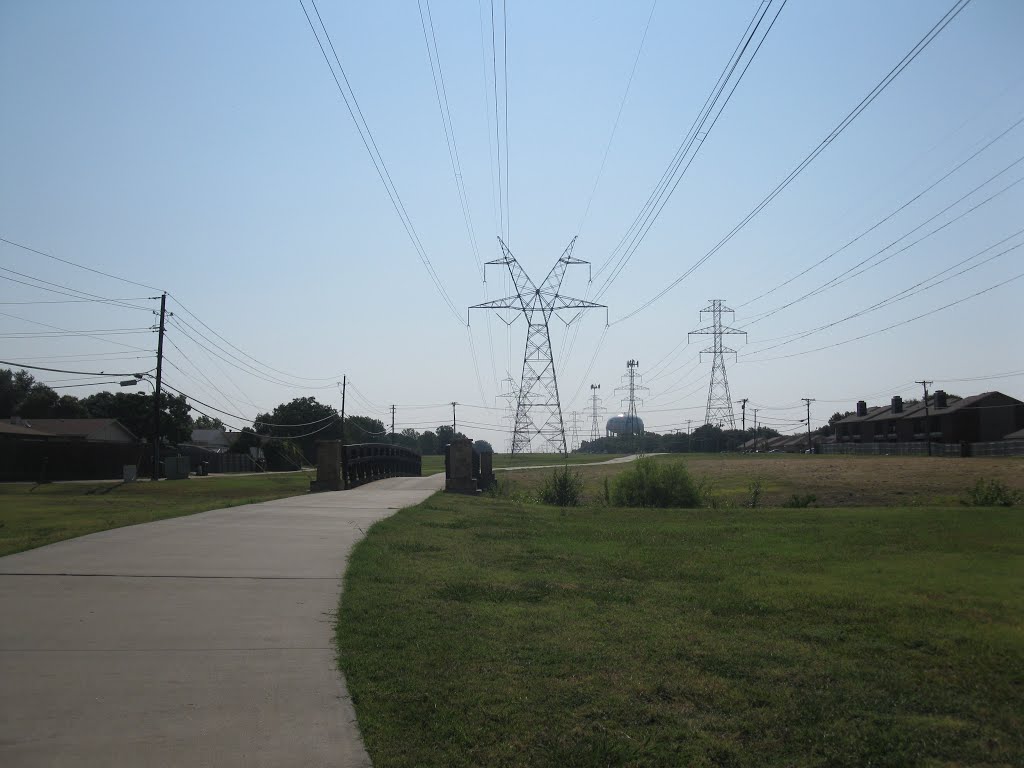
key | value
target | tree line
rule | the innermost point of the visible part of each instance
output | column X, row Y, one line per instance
column 288, row 432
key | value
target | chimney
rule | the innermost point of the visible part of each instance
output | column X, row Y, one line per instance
column 862, row 408
column 897, row 404
column 940, row 398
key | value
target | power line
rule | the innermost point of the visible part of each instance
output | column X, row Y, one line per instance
column 375, row 156
column 618, row 116
column 449, row 130
column 80, row 266
column 63, row 370
column 199, row 333
column 886, row 218
column 894, row 325
column 242, row 418
column 846, row 275
column 694, row 140
column 906, row 293
column 843, row 124
column 67, row 291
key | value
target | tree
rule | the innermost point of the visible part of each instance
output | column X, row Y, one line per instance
column 40, row 402
column 445, row 435
column 69, row 407
column 835, row 417
column 135, row 411
column 208, row 422
column 428, row 443
column 303, row 421
column 14, row 387
column 363, row 429
column 246, row 439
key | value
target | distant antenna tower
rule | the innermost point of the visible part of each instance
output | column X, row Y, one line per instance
column 595, row 413
column 631, row 385
column 538, row 409
column 719, row 411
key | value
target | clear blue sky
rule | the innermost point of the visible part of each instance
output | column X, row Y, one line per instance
column 204, row 149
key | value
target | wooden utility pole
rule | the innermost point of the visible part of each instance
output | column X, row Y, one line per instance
column 454, row 430
column 808, row 400
column 344, row 386
column 156, row 389
column 927, row 418
column 392, row 424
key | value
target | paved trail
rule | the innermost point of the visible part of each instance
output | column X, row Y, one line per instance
column 198, row 641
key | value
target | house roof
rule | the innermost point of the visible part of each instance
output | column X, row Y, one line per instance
column 875, row 410
column 6, row 428
column 916, row 410
column 75, row 427
column 1018, row 435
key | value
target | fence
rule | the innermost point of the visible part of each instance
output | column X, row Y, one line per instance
column 218, row 462
column 46, row 460
column 998, row 448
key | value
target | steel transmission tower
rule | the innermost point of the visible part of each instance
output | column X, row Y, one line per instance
column 574, row 440
column 595, row 413
column 719, row 412
column 511, row 397
column 631, row 385
column 538, row 410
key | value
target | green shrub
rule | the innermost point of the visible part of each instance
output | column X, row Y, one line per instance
column 564, row 488
column 755, row 489
column 992, row 493
column 648, row 483
column 798, row 501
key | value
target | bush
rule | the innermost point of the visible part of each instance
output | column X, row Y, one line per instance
column 992, row 493
column 797, row 501
column 564, row 488
column 755, row 489
column 648, row 483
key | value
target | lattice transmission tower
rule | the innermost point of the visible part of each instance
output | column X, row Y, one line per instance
column 596, row 410
column 538, row 409
column 631, row 385
column 574, row 430
column 511, row 397
column 719, row 412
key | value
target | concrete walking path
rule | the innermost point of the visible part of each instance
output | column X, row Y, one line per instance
column 205, row 640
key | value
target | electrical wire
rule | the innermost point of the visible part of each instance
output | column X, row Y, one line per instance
column 843, row 124
column 79, row 266
column 256, row 421
column 852, row 272
column 886, row 218
column 62, row 370
column 375, row 156
column 889, row 327
column 714, row 105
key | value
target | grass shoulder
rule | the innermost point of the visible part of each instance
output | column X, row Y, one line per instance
column 34, row 515
column 480, row 631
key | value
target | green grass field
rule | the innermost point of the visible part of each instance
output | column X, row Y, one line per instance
column 481, row 631
column 34, row 515
column 433, row 464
